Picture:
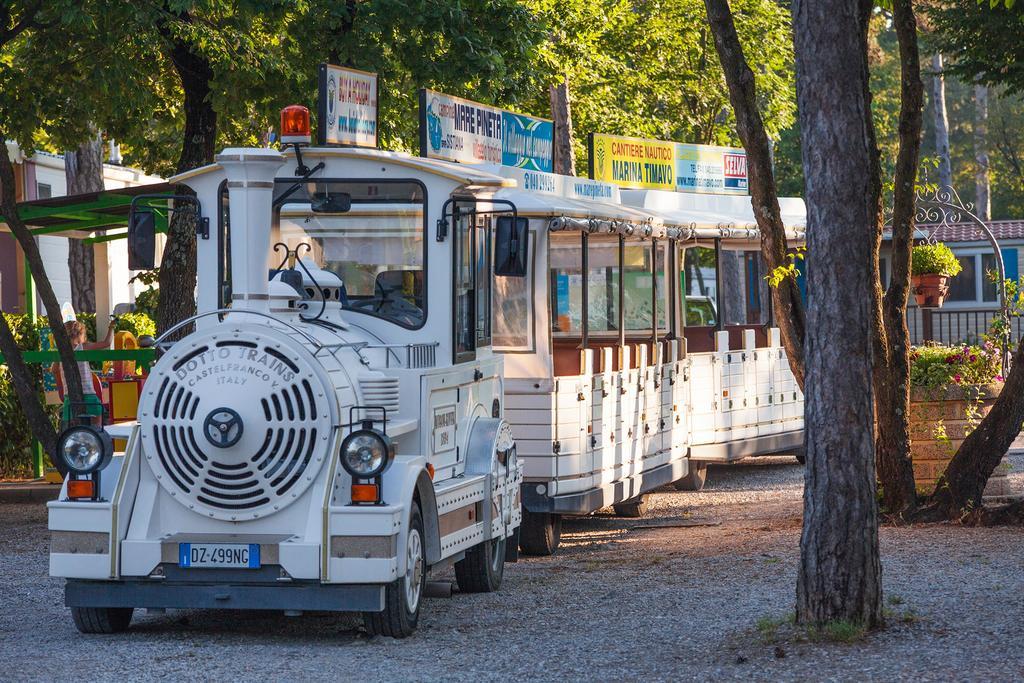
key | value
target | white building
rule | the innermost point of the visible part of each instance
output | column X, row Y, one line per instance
column 41, row 176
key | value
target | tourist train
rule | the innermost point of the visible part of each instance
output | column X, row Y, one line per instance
column 399, row 365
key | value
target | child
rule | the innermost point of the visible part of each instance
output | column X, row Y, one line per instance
column 93, row 405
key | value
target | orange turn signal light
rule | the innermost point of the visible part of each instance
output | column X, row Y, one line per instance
column 364, row 493
column 430, row 471
column 81, row 488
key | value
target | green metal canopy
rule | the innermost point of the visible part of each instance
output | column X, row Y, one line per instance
column 80, row 215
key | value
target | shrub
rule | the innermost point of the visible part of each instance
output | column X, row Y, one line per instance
column 935, row 367
column 935, row 259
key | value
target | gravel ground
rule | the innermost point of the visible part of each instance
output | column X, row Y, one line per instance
column 674, row 596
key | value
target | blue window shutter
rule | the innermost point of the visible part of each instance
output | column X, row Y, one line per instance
column 1010, row 263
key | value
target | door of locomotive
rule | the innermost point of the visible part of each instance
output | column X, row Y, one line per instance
column 471, row 282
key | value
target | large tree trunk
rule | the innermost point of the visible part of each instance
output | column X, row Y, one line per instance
column 764, row 196
column 892, row 340
column 840, row 571
column 22, row 378
column 561, row 112
column 178, row 265
column 941, row 122
column 83, row 171
column 982, row 199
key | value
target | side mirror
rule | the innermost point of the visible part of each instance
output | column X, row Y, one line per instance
column 327, row 202
column 511, row 246
column 141, row 239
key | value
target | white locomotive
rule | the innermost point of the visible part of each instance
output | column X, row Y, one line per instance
column 316, row 442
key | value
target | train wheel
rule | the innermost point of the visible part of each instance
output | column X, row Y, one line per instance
column 482, row 568
column 634, row 507
column 101, row 619
column 694, row 480
column 402, row 598
column 539, row 533
column 801, row 457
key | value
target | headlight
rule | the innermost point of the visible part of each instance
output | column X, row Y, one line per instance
column 84, row 449
column 366, row 453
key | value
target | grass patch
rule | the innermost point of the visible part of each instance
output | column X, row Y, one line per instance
column 768, row 627
column 838, row 631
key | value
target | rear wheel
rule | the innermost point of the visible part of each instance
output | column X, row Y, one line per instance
column 482, row 568
column 539, row 532
column 634, row 507
column 402, row 598
column 695, row 478
column 801, row 457
column 101, row 619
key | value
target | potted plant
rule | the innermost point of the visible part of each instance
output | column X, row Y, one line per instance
column 931, row 266
column 951, row 389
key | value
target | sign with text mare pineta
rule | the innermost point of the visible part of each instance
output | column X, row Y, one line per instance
column 347, row 107
column 658, row 165
column 454, row 129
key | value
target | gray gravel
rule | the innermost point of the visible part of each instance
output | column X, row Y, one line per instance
column 619, row 601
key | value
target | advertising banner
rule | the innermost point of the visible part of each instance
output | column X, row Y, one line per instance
column 464, row 131
column 658, row 165
column 347, row 112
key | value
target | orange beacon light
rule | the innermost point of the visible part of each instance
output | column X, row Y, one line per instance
column 295, row 125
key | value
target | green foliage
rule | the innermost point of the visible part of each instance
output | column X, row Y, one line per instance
column 146, row 302
column 937, row 367
column 935, row 259
column 136, row 323
column 789, row 270
column 650, row 69
column 838, row 631
column 15, row 447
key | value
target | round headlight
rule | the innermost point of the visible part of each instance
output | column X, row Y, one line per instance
column 84, row 449
column 365, row 453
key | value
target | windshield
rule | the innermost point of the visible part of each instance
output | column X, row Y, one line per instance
column 370, row 234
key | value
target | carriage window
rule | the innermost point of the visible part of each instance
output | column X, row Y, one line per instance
column 637, row 285
column 699, row 287
column 368, row 233
column 513, row 310
column 566, row 283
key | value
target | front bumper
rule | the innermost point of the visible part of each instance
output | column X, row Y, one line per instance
column 226, row 594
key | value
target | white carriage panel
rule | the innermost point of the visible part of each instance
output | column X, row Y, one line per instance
column 532, row 401
column 533, row 448
column 537, row 432
column 540, row 468
column 528, row 416
column 574, row 465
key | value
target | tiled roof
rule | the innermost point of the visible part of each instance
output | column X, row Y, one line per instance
column 969, row 232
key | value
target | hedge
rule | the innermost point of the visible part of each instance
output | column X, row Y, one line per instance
column 16, row 446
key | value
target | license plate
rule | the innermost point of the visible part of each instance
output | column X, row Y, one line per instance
column 219, row 555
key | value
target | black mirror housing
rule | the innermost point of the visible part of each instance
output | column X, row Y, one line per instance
column 511, row 246
column 325, row 202
column 141, row 239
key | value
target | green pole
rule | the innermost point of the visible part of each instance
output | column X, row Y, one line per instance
column 39, row 464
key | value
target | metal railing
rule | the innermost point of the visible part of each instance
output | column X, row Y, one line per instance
column 956, row 326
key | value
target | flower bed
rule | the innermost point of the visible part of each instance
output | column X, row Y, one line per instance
column 952, row 389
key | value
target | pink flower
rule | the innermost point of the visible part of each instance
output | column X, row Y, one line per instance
column 956, row 379
column 973, row 358
column 999, row 378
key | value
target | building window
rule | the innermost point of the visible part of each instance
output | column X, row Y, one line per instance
column 976, row 283
column 963, row 287
column 43, row 191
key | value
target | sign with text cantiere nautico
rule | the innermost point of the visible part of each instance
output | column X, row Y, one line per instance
column 659, row 165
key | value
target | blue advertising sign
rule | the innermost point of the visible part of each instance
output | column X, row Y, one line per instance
column 527, row 142
column 454, row 129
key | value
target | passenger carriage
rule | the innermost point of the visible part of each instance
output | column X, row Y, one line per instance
column 607, row 400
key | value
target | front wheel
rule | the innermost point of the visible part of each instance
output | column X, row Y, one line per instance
column 402, row 598
column 480, row 571
column 539, row 532
column 101, row 619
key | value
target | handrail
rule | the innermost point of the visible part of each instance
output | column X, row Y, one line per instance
column 220, row 311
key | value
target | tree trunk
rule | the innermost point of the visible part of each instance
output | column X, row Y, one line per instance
column 28, row 392
column 764, row 196
column 19, row 375
column 840, row 571
column 941, row 122
column 982, row 199
column 83, row 171
column 892, row 340
column 178, row 265
column 561, row 112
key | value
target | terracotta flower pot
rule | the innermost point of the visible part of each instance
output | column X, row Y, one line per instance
column 930, row 289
